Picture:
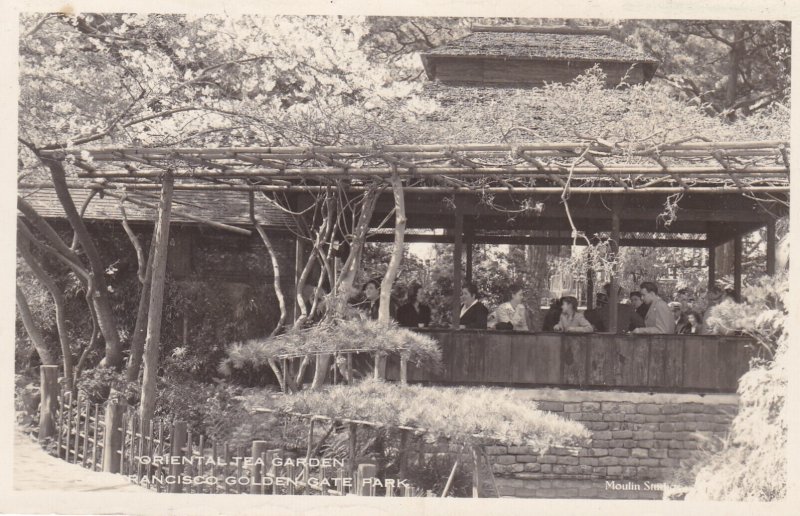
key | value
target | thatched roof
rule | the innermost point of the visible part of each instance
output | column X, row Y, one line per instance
column 535, row 45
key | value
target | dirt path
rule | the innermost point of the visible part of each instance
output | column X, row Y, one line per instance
column 34, row 469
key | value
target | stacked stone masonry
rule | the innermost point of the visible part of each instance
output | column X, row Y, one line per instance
column 640, row 442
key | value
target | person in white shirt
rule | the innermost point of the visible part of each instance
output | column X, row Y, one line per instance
column 513, row 314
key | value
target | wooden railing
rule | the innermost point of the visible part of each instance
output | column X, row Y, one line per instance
column 680, row 363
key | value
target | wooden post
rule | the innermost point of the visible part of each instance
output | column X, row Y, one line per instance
column 712, row 266
column 48, row 384
column 458, row 230
column 112, row 437
column 613, row 294
column 258, row 449
column 403, row 454
column 469, row 249
column 772, row 242
column 152, row 341
column 403, row 369
column 94, row 436
column 366, row 471
column 737, row 266
column 178, row 444
column 352, row 435
column 589, row 288
column 88, row 408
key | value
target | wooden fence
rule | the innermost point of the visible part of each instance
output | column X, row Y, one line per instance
column 168, row 457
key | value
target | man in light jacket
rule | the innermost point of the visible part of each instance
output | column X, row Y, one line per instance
column 659, row 317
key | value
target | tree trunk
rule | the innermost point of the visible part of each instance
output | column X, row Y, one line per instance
column 159, row 266
column 735, row 55
column 276, row 277
column 58, row 299
column 353, row 262
column 105, row 316
column 34, row 333
column 140, row 328
column 394, row 264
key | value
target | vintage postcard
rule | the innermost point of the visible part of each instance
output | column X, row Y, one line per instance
column 464, row 259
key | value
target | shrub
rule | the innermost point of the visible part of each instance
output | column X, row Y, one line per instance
column 332, row 336
column 752, row 464
column 471, row 415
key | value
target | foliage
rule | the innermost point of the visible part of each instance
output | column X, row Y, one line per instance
column 331, row 336
column 762, row 314
column 99, row 385
column 752, row 465
column 721, row 64
column 473, row 415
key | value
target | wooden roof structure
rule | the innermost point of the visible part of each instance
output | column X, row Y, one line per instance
column 505, row 191
column 524, row 43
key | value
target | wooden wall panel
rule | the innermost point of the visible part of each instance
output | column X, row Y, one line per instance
column 633, row 362
column 524, row 72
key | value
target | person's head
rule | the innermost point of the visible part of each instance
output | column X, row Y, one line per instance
column 682, row 295
column 372, row 289
column 636, row 298
column 649, row 291
column 469, row 293
column 694, row 318
column 601, row 299
column 569, row 305
column 416, row 294
column 515, row 293
column 676, row 308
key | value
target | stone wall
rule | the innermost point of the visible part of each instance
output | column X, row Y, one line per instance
column 639, row 442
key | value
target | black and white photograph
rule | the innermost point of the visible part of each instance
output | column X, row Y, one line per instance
column 421, row 257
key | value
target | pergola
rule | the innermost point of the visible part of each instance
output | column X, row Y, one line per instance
column 525, row 193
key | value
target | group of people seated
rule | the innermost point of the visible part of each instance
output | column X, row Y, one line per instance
column 642, row 312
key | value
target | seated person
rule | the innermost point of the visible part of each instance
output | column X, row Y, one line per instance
column 595, row 315
column 512, row 315
column 694, row 324
column 638, row 304
column 677, row 315
column 571, row 320
column 627, row 318
column 552, row 315
column 659, row 318
column 372, row 302
column 474, row 314
column 414, row 313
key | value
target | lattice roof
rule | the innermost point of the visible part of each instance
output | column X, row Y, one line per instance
column 586, row 167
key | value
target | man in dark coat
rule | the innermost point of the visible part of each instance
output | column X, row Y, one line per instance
column 474, row 314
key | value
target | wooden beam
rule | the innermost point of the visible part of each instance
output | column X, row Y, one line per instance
column 737, row 266
column 712, row 266
column 613, row 295
column 535, row 240
column 152, row 343
column 610, row 171
column 457, row 250
column 430, row 190
column 564, row 29
column 469, row 247
column 772, row 246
